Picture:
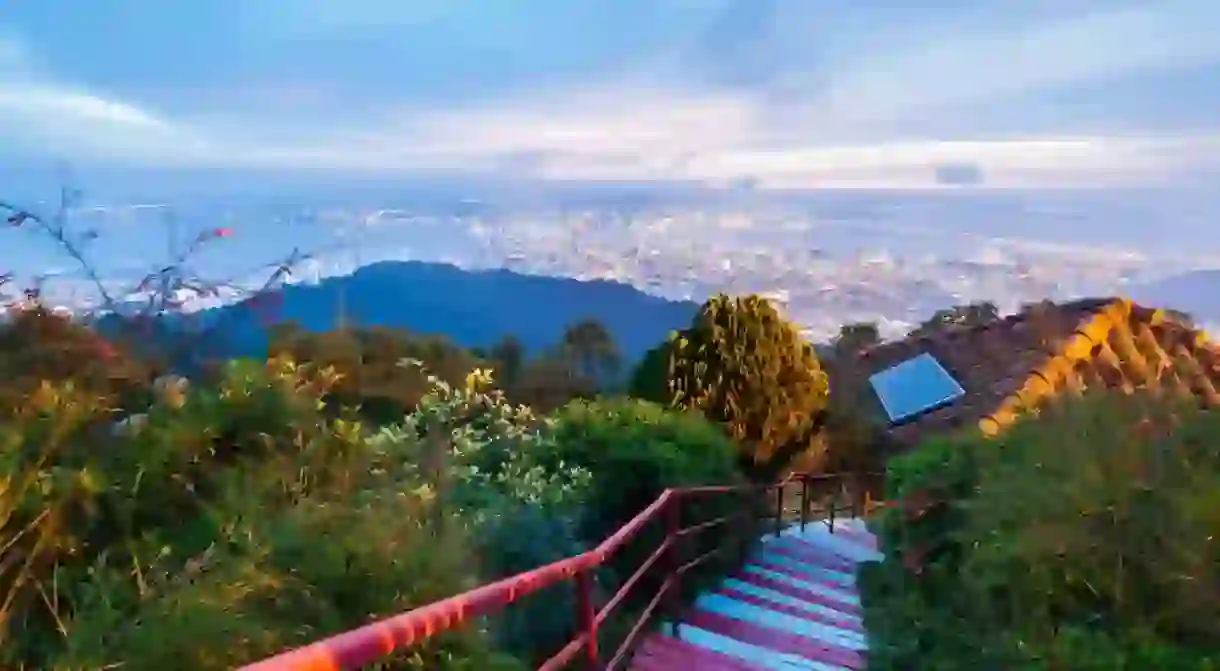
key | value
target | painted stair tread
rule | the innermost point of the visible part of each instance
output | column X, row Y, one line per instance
column 848, row 545
column 764, row 658
column 793, row 606
column 838, row 548
column 780, row 621
column 779, row 641
column 814, row 582
column 791, row 587
column 833, row 577
column 781, row 603
column 813, row 550
column 662, row 653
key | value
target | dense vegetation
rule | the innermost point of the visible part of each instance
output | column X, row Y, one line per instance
column 162, row 522
column 151, row 521
column 1082, row 539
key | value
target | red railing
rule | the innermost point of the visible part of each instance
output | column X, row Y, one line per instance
column 372, row 642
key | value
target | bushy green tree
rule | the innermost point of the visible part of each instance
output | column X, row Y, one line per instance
column 748, row 368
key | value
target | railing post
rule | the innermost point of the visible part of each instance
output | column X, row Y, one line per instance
column 779, row 508
column 587, row 617
column 834, row 503
column 677, row 555
column 804, row 500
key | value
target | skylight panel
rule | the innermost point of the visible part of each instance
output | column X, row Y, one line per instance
column 915, row 386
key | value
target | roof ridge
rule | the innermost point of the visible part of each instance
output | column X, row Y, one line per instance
column 1092, row 330
column 1091, row 304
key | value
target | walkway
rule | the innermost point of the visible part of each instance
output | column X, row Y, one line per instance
column 793, row 607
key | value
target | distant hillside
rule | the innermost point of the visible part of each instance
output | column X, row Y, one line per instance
column 1195, row 293
column 473, row 308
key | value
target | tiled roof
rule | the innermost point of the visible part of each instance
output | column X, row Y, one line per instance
column 1013, row 365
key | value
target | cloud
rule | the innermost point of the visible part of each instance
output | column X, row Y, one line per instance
column 40, row 115
column 781, row 94
column 952, row 67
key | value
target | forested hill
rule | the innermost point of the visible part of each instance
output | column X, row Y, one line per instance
column 473, row 308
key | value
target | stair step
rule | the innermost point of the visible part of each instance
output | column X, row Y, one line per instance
column 759, row 656
column 794, row 606
column 662, row 653
column 776, row 640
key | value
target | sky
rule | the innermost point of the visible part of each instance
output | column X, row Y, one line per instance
column 785, row 93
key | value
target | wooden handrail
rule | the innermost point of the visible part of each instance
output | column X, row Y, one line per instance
column 372, row 642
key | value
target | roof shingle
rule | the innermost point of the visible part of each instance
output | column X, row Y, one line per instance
column 1014, row 365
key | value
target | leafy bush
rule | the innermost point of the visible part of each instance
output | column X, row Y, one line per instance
column 495, row 464
column 634, row 451
column 40, row 345
column 276, row 580
column 1081, row 539
column 191, row 539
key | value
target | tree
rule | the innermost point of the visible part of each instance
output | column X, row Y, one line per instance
column 507, row 358
column 973, row 314
column 742, row 364
column 650, row 377
column 547, row 383
column 590, row 351
column 853, row 338
column 368, row 359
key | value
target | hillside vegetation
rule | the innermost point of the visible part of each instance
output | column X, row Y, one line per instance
column 163, row 522
column 1082, row 539
column 167, row 508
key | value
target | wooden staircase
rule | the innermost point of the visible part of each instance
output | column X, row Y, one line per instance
column 793, row 606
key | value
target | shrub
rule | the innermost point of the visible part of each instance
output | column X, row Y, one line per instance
column 39, row 345
column 634, row 451
column 269, row 582
column 192, row 539
column 495, row 464
column 1081, row 539
column 743, row 365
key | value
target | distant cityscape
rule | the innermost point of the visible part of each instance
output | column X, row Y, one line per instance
column 840, row 258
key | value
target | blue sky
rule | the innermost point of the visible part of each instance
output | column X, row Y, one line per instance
column 791, row 92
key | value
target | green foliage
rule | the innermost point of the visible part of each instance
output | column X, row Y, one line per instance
column 591, row 353
column 635, row 450
column 743, row 365
column 193, row 537
column 495, row 464
column 650, row 377
column 475, row 449
column 38, row 345
column 368, row 360
column 1083, row 539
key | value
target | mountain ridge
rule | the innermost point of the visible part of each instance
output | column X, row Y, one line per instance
column 473, row 308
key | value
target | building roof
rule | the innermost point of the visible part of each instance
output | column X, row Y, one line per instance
column 1014, row 365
